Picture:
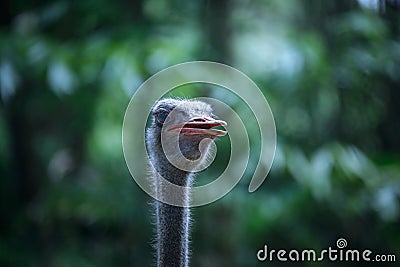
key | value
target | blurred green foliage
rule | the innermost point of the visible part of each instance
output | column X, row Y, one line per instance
column 329, row 69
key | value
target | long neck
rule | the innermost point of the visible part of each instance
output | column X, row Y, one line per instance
column 172, row 222
column 172, row 235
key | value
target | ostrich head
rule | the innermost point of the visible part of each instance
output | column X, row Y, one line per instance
column 192, row 120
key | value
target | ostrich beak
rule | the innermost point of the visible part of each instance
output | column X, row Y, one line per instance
column 199, row 126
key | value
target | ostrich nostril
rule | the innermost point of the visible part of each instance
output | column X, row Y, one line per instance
column 199, row 119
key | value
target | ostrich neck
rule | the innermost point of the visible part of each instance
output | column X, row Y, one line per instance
column 172, row 235
column 172, row 221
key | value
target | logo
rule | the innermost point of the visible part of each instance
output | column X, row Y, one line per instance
column 340, row 253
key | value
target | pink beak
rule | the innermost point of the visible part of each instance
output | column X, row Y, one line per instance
column 199, row 126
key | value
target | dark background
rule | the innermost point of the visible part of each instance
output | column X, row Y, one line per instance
column 329, row 69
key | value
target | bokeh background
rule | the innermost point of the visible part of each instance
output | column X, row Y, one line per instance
column 329, row 69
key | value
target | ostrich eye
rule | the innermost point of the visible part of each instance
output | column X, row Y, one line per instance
column 161, row 116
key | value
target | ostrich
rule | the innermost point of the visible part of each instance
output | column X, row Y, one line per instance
column 192, row 120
